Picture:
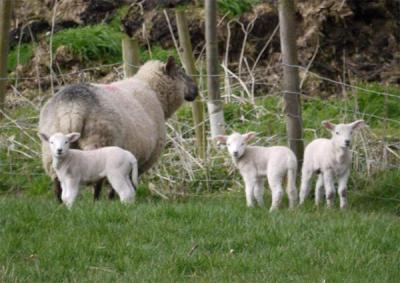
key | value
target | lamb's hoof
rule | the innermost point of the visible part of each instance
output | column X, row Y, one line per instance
column 273, row 209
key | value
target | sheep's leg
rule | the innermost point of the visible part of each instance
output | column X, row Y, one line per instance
column 70, row 188
column 57, row 189
column 329, row 188
column 343, row 190
column 259, row 191
column 319, row 189
column 305, row 184
column 97, row 189
column 250, row 183
column 275, row 183
column 123, row 188
column 111, row 194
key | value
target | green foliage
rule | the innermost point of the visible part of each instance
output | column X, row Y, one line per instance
column 373, row 101
column 98, row 42
column 19, row 55
column 20, row 162
column 158, row 53
column 382, row 194
column 236, row 7
column 205, row 239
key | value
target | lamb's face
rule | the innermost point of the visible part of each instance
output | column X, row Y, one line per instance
column 59, row 145
column 342, row 133
column 236, row 144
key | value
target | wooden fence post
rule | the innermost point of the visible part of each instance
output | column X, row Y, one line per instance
column 130, row 55
column 5, row 23
column 186, row 54
column 291, row 90
column 215, row 104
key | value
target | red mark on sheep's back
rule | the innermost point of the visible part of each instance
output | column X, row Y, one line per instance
column 110, row 88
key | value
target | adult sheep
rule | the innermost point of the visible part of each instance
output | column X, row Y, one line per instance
column 129, row 113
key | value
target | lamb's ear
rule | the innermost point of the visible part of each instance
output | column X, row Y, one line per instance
column 221, row 139
column 170, row 66
column 330, row 126
column 357, row 124
column 249, row 136
column 73, row 137
column 43, row 137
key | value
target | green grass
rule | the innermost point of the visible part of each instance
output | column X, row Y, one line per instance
column 201, row 239
column 236, row 7
column 19, row 55
column 153, row 240
column 91, row 42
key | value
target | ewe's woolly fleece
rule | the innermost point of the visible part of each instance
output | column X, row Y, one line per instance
column 130, row 113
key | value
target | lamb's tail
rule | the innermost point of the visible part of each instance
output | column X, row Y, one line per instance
column 291, row 182
column 135, row 174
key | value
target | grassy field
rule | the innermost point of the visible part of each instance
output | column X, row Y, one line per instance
column 203, row 233
column 206, row 238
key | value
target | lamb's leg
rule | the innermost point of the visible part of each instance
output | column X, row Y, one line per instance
column 122, row 186
column 291, row 188
column 250, row 183
column 98, row 185
column 70, row 188
column 319, row 189
column 275, row 183
column 329, row 188
column 343, row 190
column 305, row 184
column 57, row 189
column 259, row 191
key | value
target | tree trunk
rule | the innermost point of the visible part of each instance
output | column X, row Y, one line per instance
column 5, row 22
column 214, row 105
column 291, row 91
column 130, row 55
column 186, row 54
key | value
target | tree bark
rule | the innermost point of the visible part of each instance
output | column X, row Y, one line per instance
column 291, row 91
column 186, row 54
column 214, row 105
column 130, row 54
column 5, row 22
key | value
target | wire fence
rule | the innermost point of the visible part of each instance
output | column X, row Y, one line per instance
column 179, row 164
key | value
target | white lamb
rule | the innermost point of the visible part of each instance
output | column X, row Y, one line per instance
column 74, row 167
column 330, row 158
column 256, row 163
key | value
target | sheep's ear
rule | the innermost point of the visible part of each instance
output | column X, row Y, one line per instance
column 43, row 137
column 249, row 136
column 73, row 137
column 357, row 124
column 221, row 139
column 330, row 126
column 170, row 66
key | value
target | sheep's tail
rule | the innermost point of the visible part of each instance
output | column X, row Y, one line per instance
column 291, row 182
column 70, row 118
column 135, row 174
column 73, row 104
